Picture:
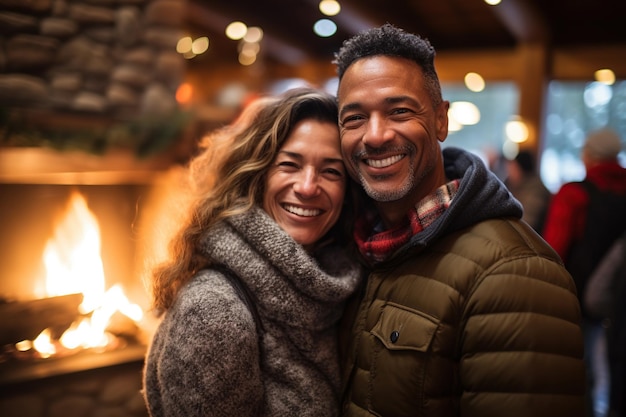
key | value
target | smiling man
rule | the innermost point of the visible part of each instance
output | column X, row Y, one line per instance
column 467, row 311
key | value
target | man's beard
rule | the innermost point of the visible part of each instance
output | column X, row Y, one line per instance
column 387, row 195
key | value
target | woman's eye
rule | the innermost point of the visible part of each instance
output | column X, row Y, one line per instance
column 287, row 164
column 334, row 172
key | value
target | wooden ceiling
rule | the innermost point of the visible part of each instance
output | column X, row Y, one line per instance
column 454, row 25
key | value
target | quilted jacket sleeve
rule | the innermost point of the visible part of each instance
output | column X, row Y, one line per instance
column 521, row 347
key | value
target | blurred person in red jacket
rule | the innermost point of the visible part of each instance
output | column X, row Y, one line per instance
column 583, row 221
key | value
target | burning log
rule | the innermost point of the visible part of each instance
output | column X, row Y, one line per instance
column 24, row 320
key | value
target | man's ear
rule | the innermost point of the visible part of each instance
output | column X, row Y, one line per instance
column 442, row 120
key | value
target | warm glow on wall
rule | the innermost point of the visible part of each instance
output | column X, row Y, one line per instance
column 184, row 93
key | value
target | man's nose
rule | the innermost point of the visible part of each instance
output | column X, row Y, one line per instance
column 377, row 132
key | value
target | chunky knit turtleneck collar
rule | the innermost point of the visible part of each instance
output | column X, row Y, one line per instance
column 291, row 286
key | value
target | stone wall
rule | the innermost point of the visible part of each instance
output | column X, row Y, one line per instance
column 114, row 58
column 104, row 392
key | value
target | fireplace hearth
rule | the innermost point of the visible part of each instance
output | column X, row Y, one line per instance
column 87, row 385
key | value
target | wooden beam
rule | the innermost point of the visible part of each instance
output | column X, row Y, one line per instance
column 580, row 63
column 523, row 20
column 492, row 65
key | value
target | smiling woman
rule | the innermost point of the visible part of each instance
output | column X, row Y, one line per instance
column 305, row 186
column 268, row 192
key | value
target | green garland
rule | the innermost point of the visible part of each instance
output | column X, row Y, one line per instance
column 145, row 136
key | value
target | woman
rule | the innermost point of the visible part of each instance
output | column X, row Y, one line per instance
column 268, row 222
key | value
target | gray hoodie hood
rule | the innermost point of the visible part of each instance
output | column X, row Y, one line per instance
column 481, row 196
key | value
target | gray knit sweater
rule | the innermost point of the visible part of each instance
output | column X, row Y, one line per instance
column 205, row 360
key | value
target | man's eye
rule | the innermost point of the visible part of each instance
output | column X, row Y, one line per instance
column 352, row 120
column 401, row 110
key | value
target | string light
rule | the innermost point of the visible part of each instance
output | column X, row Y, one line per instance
column 474, row 82
column 330, row 7
column 325, row 28
column 236, row 30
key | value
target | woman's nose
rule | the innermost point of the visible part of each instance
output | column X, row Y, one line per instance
column 307, row 184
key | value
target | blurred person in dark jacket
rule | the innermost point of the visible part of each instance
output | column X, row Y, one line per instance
column 525, row 183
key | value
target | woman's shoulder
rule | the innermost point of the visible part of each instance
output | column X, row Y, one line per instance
column 211, row 301
column 206, row 285
column 205, row 349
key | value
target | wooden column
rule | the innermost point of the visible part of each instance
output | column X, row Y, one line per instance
column 532, row 80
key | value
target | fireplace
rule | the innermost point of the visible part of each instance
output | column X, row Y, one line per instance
column 37, row 216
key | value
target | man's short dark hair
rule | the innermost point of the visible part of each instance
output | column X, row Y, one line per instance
column 391, row 41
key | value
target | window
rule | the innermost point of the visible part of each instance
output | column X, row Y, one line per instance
column 572, row 110
column 497, row 104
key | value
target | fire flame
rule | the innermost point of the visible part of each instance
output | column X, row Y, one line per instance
column 74, row 265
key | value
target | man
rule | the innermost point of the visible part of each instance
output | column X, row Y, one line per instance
column 466, row 311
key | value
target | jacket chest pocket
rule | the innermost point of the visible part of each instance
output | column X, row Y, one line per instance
column 399, row 328
column 398, row 361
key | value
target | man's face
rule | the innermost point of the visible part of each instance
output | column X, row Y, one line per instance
column 390, row 132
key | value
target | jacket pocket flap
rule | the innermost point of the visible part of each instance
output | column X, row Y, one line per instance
column 402, row 329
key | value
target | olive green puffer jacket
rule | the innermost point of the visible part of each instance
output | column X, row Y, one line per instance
column 478, row 321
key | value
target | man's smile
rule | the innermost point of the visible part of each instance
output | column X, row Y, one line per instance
column 383, row 163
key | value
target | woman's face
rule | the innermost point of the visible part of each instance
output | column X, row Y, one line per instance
column 305, row 185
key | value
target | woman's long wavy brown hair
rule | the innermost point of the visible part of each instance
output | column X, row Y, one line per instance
column 227, row 178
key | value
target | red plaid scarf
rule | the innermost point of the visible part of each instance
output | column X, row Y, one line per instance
column 377, row 247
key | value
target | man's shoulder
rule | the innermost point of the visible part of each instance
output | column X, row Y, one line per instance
column 485, row 243
column 506, row 235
